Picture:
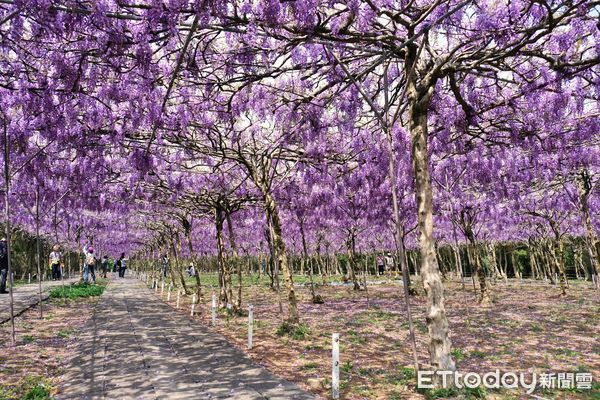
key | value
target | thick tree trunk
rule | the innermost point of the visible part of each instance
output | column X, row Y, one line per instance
column 437, row 321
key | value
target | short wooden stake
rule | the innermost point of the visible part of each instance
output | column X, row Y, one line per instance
column 162, row 288
column 29, row 277
column 178, row 292
column 155, row 286
column 250, row 325
column 335, row 366
column 169, row 293
column 214, row 309
column 193, row 305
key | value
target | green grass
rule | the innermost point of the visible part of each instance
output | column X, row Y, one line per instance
column 310, row 366
column 28, row 338
column 296, row 332
column 346, row 367
column 32, row 387
column 355, row 338
column 458, row 354
column 77, row 290
column 65, row 332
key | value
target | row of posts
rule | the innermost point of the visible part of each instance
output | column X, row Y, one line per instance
column 335, row 338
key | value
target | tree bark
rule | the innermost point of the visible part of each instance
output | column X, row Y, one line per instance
column 280, row 248
column 437, row 321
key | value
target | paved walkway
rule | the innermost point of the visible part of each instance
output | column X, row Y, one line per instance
column 139, row 348
column 24, row 297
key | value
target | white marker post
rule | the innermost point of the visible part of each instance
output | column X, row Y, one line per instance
column 169, row 293
column 335, row 366
column 214, row 309
column 147, row 277
column 155, row 286
column 250, row 325
column 162, row 288
column 193, row 305
column 177, row 306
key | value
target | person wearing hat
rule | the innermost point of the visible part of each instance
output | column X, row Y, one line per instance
column 3, row 265
column 55, row 261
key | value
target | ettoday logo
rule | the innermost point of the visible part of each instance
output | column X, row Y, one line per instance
column 505, row 380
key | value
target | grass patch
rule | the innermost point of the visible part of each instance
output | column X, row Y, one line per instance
column 458, row 354
column 31, row 387
column 310, row 366
column 77, row 290
column 355, row 338
column 65, row 332
column 296, row 332
column 28, row 338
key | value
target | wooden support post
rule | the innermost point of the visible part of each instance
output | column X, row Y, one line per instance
column 178, row 293
column 29, row 278
column 162, row 288
column 193, row 305
column 169, row 293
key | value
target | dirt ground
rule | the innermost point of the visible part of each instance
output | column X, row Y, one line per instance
column 529, row 328
column 33, row 367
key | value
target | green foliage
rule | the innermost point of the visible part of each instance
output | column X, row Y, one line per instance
column 355, row 338
column 346, row 367
column 28, row 338
column 310, row 366
column 77, row 290
column 39, row 392
column 296, row 332
column 458, row 354
column 65, row 332
column 536, row 328
column 403, row 376
column 477, row 354
column 31, row 387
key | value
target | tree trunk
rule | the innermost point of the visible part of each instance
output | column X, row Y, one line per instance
column 437, row 321
column 351, row 243
column 279, row 245
column 585, row 188
column 225, row 292
column 235, row 260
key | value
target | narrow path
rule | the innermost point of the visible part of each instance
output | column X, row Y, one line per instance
column 25, row 297
column 138, row 348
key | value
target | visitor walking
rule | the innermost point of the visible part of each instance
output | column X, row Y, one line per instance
column 89, row 264
column 389, row 263
column 55, row 261
column 3, row 265
column 104, row 266
column 122, row 263
column 380, row 265
column 165, row 265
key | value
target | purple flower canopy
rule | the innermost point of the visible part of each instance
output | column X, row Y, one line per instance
column 128, row 124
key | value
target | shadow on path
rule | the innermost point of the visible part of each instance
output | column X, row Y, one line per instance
column 138, row 348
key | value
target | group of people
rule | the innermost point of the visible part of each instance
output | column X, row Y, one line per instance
column 90, row 263
column 385, row 263
column 56, row 264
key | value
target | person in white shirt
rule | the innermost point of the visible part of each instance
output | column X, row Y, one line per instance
column 55, row 261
